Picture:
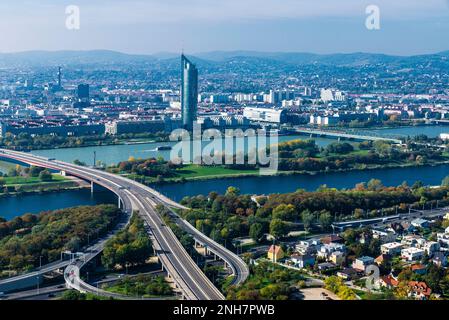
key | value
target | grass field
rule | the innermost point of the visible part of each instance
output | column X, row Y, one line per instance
column 196, row 171
column 10, row 181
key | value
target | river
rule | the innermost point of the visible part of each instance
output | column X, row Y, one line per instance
column 10, row 207
column 285, row 184
column 116, row 153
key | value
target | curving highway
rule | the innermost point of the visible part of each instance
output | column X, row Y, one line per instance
column 190, row 280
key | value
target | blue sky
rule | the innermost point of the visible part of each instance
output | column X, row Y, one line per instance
column 148, row 26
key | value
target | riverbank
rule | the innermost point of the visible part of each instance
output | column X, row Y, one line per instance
column 202, row 174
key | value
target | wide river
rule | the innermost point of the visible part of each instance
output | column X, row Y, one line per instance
column 10, row 207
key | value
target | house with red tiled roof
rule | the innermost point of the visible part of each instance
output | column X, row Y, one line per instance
column 333, row 238
column 419, row 290
column 388, row 282
column 275, row 253
column 419, row 268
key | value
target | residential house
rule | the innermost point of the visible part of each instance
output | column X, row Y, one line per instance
column 333, row 238
column 337, row 257
column 419, row 290
column 420, row 223
column 348, row 274
column 430, row 247
column 419, row 268
column 360, row 264
column 392, row 248
column 326, row 250
column 388, row 282
column 310, row 246
column 302, row 261
column 275, row 253
column 411, row 240
column 412, row 254
column 440, row 259
column 382, row 259
column 384, row 236
column 443, row 239
column 326, row 266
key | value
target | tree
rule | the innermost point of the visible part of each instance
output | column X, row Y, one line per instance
column 285, row 212
column 256, row 231
column 307, row 219
column 233, row 191
column 2, row 181
column 375, row 185
column 278, row 228
column 325, row 219
column 45, row 175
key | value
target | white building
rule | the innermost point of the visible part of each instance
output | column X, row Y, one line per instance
column 265, row 114
column 392, row 248
column 412, row 254
column 332, row 95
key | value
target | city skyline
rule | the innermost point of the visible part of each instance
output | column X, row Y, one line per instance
column 199, row 26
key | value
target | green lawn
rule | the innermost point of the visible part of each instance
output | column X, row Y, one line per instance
column 30, row 180
column 195, row 171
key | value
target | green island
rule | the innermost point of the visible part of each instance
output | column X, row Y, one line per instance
column 295, row 157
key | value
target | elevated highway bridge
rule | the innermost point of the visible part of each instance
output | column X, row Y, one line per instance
column 135, row 197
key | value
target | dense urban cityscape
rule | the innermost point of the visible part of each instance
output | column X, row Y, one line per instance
column 224, row 175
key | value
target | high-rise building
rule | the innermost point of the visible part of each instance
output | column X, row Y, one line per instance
column 83, row 96
column 189, row 92
column 59, row 78
column 83, row 93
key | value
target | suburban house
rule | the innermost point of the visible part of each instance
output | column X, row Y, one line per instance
column 333, row 238
column 348, row 274
column 419, row 290
column 337, row 257
column 302, row 261
column 360, row 264
column 392, row 248
column 388, row 282
column 443, row 239
column 383, row 258
column 419, row 268
column 412, row 254
column 439, row 259
column 430, row 247
column 384, row 236
column 275, row 253
column 420, row 223
column 327, row 249
column 310, row 246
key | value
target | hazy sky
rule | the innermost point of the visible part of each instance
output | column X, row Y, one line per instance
column 149, row 26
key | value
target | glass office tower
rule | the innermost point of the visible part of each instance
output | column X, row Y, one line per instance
column 189, row 92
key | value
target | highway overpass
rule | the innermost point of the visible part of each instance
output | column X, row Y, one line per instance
column 190, row 280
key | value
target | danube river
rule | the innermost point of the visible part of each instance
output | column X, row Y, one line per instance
column 116, row 153
column 10, row 207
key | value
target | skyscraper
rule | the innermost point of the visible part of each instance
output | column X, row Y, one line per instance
column 189, row 92
column 59, row 78
column 83, row 93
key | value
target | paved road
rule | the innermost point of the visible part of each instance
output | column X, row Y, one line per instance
column 179, row 265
